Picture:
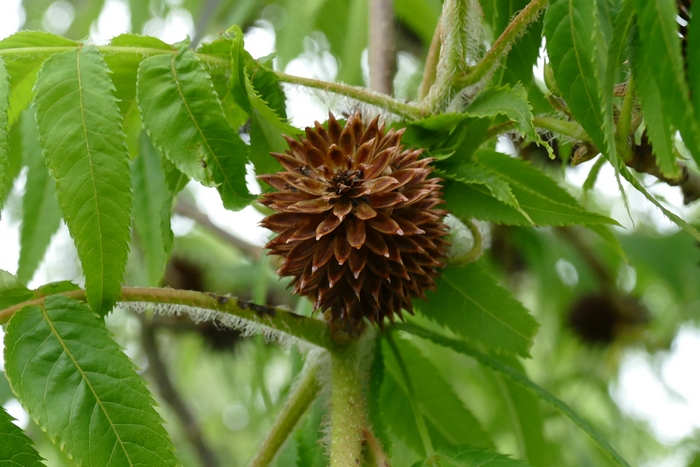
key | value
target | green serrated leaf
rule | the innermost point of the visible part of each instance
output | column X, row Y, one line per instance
column 12, row 290
column 445, row 135
column 152, row 210
column 470, row 173
column 660, row 79
column 520, row 379
column 692, row 56
column 448, row 421
column 469, row 302
column 23, row 68
column 545, row 202
column 84, row 146
column 63, row 366
column 470, row 456
column 186, row 121
column 124, row 68
column 54, row 288
column 16, row 449
column 41, row 215
column 668, row 213
column 578, row 54
column 511, row 102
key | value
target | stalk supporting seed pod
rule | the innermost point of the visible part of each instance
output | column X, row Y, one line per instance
column 357, row 223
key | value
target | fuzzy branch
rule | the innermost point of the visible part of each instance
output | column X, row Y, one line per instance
column 271, row 318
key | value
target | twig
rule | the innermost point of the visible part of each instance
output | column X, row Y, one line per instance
column 503, row 44
column 374, row 451
column 382, row 54
column 297, row 404
column 187, row 209
column 395, row 106
column 170, row 394
column 278, row 319
column 431, row 61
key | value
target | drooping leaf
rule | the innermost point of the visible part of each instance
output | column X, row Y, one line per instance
column 124, row 68
column 23, row 68
column 78, row 385
column 5, row 181
column 692, row 55
column 525, row 417
column 471, row 173
column 578, row 54
column 264, row 139
column 12, row 290
column 470, row 456
column 185, row 120
column 680, row 222
column 545, row 202
column 82, row 139
column 511, row 102
column 152, row 210
column 444, row 135
column 520, row 379
column 16, row 449
column 448, row 421
column 659, row 74
column 41, row 215
column 469, row 302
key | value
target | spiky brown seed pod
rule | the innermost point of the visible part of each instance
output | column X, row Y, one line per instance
column 357, row 223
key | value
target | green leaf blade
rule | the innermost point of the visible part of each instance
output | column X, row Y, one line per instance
column 469, row 302
column 16, row 449
column 520, row 379
column 578, row 55
column 82, row 139
column 41, row 214
column 185, row 119
column 5, row 181
column 12, row 290
column 660, row 80
column 541, row 201
column 22, row 68
column 448, row 420
column 103, row 414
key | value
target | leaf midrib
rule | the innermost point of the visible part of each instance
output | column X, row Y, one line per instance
column 487, row 312
column 92, row 176
column 87, row 381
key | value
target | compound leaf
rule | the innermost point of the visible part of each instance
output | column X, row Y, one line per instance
column 78, row 385
column 81, row 135
column 185, row 120
column 16, row 449
column 469, row 302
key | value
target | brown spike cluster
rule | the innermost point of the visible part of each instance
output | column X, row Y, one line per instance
column 357, row 223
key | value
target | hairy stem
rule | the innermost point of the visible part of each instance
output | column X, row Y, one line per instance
column 348, row 417
column 503, row 44
column 274, row 318
column 431, row 61
column 624, row 122
column 299, row 401
column 394, row 106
